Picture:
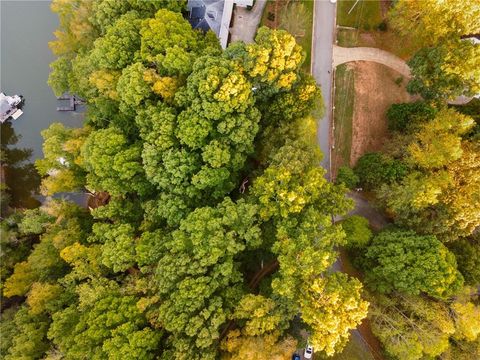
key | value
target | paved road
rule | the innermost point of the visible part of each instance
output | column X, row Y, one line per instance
column 322, row 59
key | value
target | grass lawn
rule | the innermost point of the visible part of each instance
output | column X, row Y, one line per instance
column 354, row 350
column 295, row 16
column 403, row 47
column 366, row 15
column 343, row 114
column 347, row 37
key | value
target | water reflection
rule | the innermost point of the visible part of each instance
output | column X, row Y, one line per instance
column 20, row 174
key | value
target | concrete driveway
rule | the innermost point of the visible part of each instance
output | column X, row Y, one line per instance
column 245, row 22
column 322, row 59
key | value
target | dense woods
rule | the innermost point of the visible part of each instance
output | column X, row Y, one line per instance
column 209, row 231
column 210, row 164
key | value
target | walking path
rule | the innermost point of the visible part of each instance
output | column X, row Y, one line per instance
column 343, row 55
column 245, row 22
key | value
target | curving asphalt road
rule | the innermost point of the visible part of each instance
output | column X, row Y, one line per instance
column 323, row 39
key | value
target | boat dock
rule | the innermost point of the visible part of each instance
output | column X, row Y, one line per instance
column 10, row 107
column 73, row 101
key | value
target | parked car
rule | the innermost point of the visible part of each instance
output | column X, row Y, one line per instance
column 308, row 352
column 296, row 357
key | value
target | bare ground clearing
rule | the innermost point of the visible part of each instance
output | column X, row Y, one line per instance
column 376, row 88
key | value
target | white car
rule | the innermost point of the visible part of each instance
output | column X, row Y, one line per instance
column 308, row 352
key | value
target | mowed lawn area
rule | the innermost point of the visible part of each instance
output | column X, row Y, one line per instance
column 295, row 16
column 366, row 14
column 370, row 28
column 342, row 115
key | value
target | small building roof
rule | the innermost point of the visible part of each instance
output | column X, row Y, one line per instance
column 197, row 12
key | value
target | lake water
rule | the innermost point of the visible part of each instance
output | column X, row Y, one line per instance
column 26, row 29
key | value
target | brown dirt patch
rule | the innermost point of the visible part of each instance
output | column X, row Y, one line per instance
column 375, row 91
column 274, row 9
column 367, row 39
column 99, row 199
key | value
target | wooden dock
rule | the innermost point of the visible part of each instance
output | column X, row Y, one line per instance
column 72, row 102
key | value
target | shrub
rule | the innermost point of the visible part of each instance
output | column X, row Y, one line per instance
column 358, row 232
column 347, row 176
column 375, row 169
column 382, row 26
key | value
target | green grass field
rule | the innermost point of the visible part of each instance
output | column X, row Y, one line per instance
column 354, row 350
column 365, row 15
column 347, row 37
column 343, row 101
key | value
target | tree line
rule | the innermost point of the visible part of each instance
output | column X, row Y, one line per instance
column 422, row 270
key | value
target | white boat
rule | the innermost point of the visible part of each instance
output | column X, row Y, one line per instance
column 9, row 107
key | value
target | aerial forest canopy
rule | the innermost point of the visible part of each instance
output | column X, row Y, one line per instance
column 211, row 235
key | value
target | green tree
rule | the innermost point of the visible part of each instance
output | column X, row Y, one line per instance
column 467, row 253
column 132, row 87
column 58, row 79
column 62, row 160
column 112, row 164
column 34, row 221
column 406, row 116
column 258, row 314
column 118, row 249
column 357, row 230
column 30, row 338
column 104, row 324
column 347, row 176
column 117, row 48
column 197, row 277
column 167, row 31
column 446, row 70
column 403, row 261
column 105, row 12
column 374, row 169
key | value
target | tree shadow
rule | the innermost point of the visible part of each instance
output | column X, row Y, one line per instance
column 18, row 173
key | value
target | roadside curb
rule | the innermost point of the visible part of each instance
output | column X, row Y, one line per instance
column 331, row 138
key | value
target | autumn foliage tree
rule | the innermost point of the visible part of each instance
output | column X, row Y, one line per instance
column 200, row 161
